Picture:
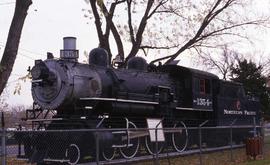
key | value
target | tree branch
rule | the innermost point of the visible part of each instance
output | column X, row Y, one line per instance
column 213, row 12
column 158, row 47
column 13, row 40
column 216, row 32
column 136, row 46
column 111, row 27
column 97, row 21
column 131, row 31
column 155, row 9
column 115, row 33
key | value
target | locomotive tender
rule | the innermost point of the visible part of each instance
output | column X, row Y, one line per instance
column 96, row 95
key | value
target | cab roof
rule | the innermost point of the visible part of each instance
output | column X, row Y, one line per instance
column 176, row 69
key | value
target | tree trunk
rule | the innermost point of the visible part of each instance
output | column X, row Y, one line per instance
column 13, row 41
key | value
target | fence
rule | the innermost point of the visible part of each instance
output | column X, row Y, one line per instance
column 91, row 145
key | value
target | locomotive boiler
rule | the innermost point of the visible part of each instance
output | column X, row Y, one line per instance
column 96, row 95
column 59, row 84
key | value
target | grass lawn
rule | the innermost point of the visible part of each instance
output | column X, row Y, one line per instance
column 220, row 158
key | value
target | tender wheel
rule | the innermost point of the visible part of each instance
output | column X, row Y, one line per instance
column 134, row 144
column 108, row 153
column 180, row 137
column 73, row 154
column 151, row 146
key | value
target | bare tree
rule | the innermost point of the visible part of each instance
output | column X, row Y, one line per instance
column 3, row 99
column 265, row 64
column 177, row 26
column 222, row 62
column 13, row 40
column 13, row 116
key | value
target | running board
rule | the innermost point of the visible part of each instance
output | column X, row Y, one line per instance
column 56, row 160
column 119, row 132
column 122, row 146
column 119, row 100
column 40, row 120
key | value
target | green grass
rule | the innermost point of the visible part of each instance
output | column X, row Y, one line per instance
column 220, row 158
column 258, row 162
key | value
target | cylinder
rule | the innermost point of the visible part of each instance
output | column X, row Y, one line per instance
column 69, row 43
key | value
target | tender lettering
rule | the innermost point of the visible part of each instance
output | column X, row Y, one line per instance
column 249, row 113
column 235, row 112
column 232, row 112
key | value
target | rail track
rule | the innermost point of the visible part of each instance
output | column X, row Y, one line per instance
column 164, row 155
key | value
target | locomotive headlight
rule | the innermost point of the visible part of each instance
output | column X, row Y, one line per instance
column 36, row 72
column 40, row 70
column 41, row 74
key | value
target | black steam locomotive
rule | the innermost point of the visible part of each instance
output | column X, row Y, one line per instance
column 96, row 95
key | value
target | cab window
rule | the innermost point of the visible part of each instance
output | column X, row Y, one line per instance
column 202, row 86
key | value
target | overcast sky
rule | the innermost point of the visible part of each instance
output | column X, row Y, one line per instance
column 48, row 21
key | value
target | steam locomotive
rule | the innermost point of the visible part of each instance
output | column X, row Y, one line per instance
column 96, row 95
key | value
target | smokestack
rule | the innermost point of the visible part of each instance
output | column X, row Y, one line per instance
column 69, row 52
column 69, row 43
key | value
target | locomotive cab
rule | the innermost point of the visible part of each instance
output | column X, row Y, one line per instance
column 202, row 91
column 194, row 89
